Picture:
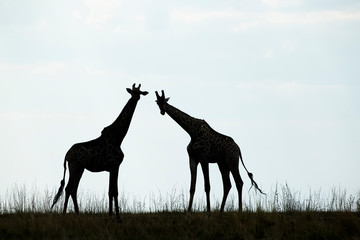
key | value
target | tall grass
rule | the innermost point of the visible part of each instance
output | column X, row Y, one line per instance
column 280, row 199
column 284, row 199
column 282, row 214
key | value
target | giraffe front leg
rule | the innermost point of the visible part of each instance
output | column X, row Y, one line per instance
column 110, row 204
column 110, row 193
column 193, row 170
column 205, row 168
column 113, row 193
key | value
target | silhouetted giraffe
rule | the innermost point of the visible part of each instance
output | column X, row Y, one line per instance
column 101, row 154
column 208, row 146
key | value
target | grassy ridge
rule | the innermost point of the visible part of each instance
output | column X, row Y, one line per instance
column 179, row 225
column 282, row 214
column 281, row 199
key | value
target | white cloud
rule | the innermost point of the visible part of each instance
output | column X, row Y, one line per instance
column 77, row 14
column 290, row 87
column 193, row 15
column 269, row 53
column 270, row 2
column 280, row 3
column 249, row 20
column 134, row 25
column 43, row 25
column 116, row 16
column 94, row 72
column 99, row 12
column 45, row 116
column 288, row 45
column 47, row 69
column 309, row 17
column 279, row 18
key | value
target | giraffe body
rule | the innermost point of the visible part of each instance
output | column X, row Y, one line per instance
column 101, row 154
column 208, row 146
column 96, row 155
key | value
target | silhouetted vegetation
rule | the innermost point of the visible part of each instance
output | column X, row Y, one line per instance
column 282, row 214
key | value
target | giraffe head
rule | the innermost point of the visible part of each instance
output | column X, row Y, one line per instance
column 161, row 101
column 136, row 92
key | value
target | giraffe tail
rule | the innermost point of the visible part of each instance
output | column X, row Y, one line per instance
column 61, row 188
column 251, row 176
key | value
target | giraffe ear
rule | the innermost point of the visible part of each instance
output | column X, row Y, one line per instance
column 129, row 90
column 144, row 93
column 167, row 99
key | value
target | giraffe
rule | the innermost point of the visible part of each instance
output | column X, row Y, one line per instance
column 101, row 154
column 208, row 146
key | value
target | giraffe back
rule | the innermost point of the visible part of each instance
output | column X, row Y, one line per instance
column 211, row 146
column 96, row 155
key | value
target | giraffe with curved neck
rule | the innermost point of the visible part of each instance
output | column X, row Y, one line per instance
column 208, row 146
column 101, row 154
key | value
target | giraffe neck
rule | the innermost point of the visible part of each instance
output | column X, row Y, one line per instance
column 120, row 126
column 190, row 124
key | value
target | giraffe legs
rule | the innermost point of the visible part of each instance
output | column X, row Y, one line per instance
column 193, row 170
column 205, row 169
column 67, row 195
column 225, row 173
column 72, row 186
column 239, row 184
column 113, row 193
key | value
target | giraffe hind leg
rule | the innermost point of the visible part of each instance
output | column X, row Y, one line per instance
column 72, row 186
column 239, row 185
column 67, row 195
column 225, row 174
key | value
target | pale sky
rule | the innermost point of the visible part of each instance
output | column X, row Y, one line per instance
column 280, row 77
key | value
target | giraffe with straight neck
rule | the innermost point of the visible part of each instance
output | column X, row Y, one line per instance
column 208, row 146
column 101, row 154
